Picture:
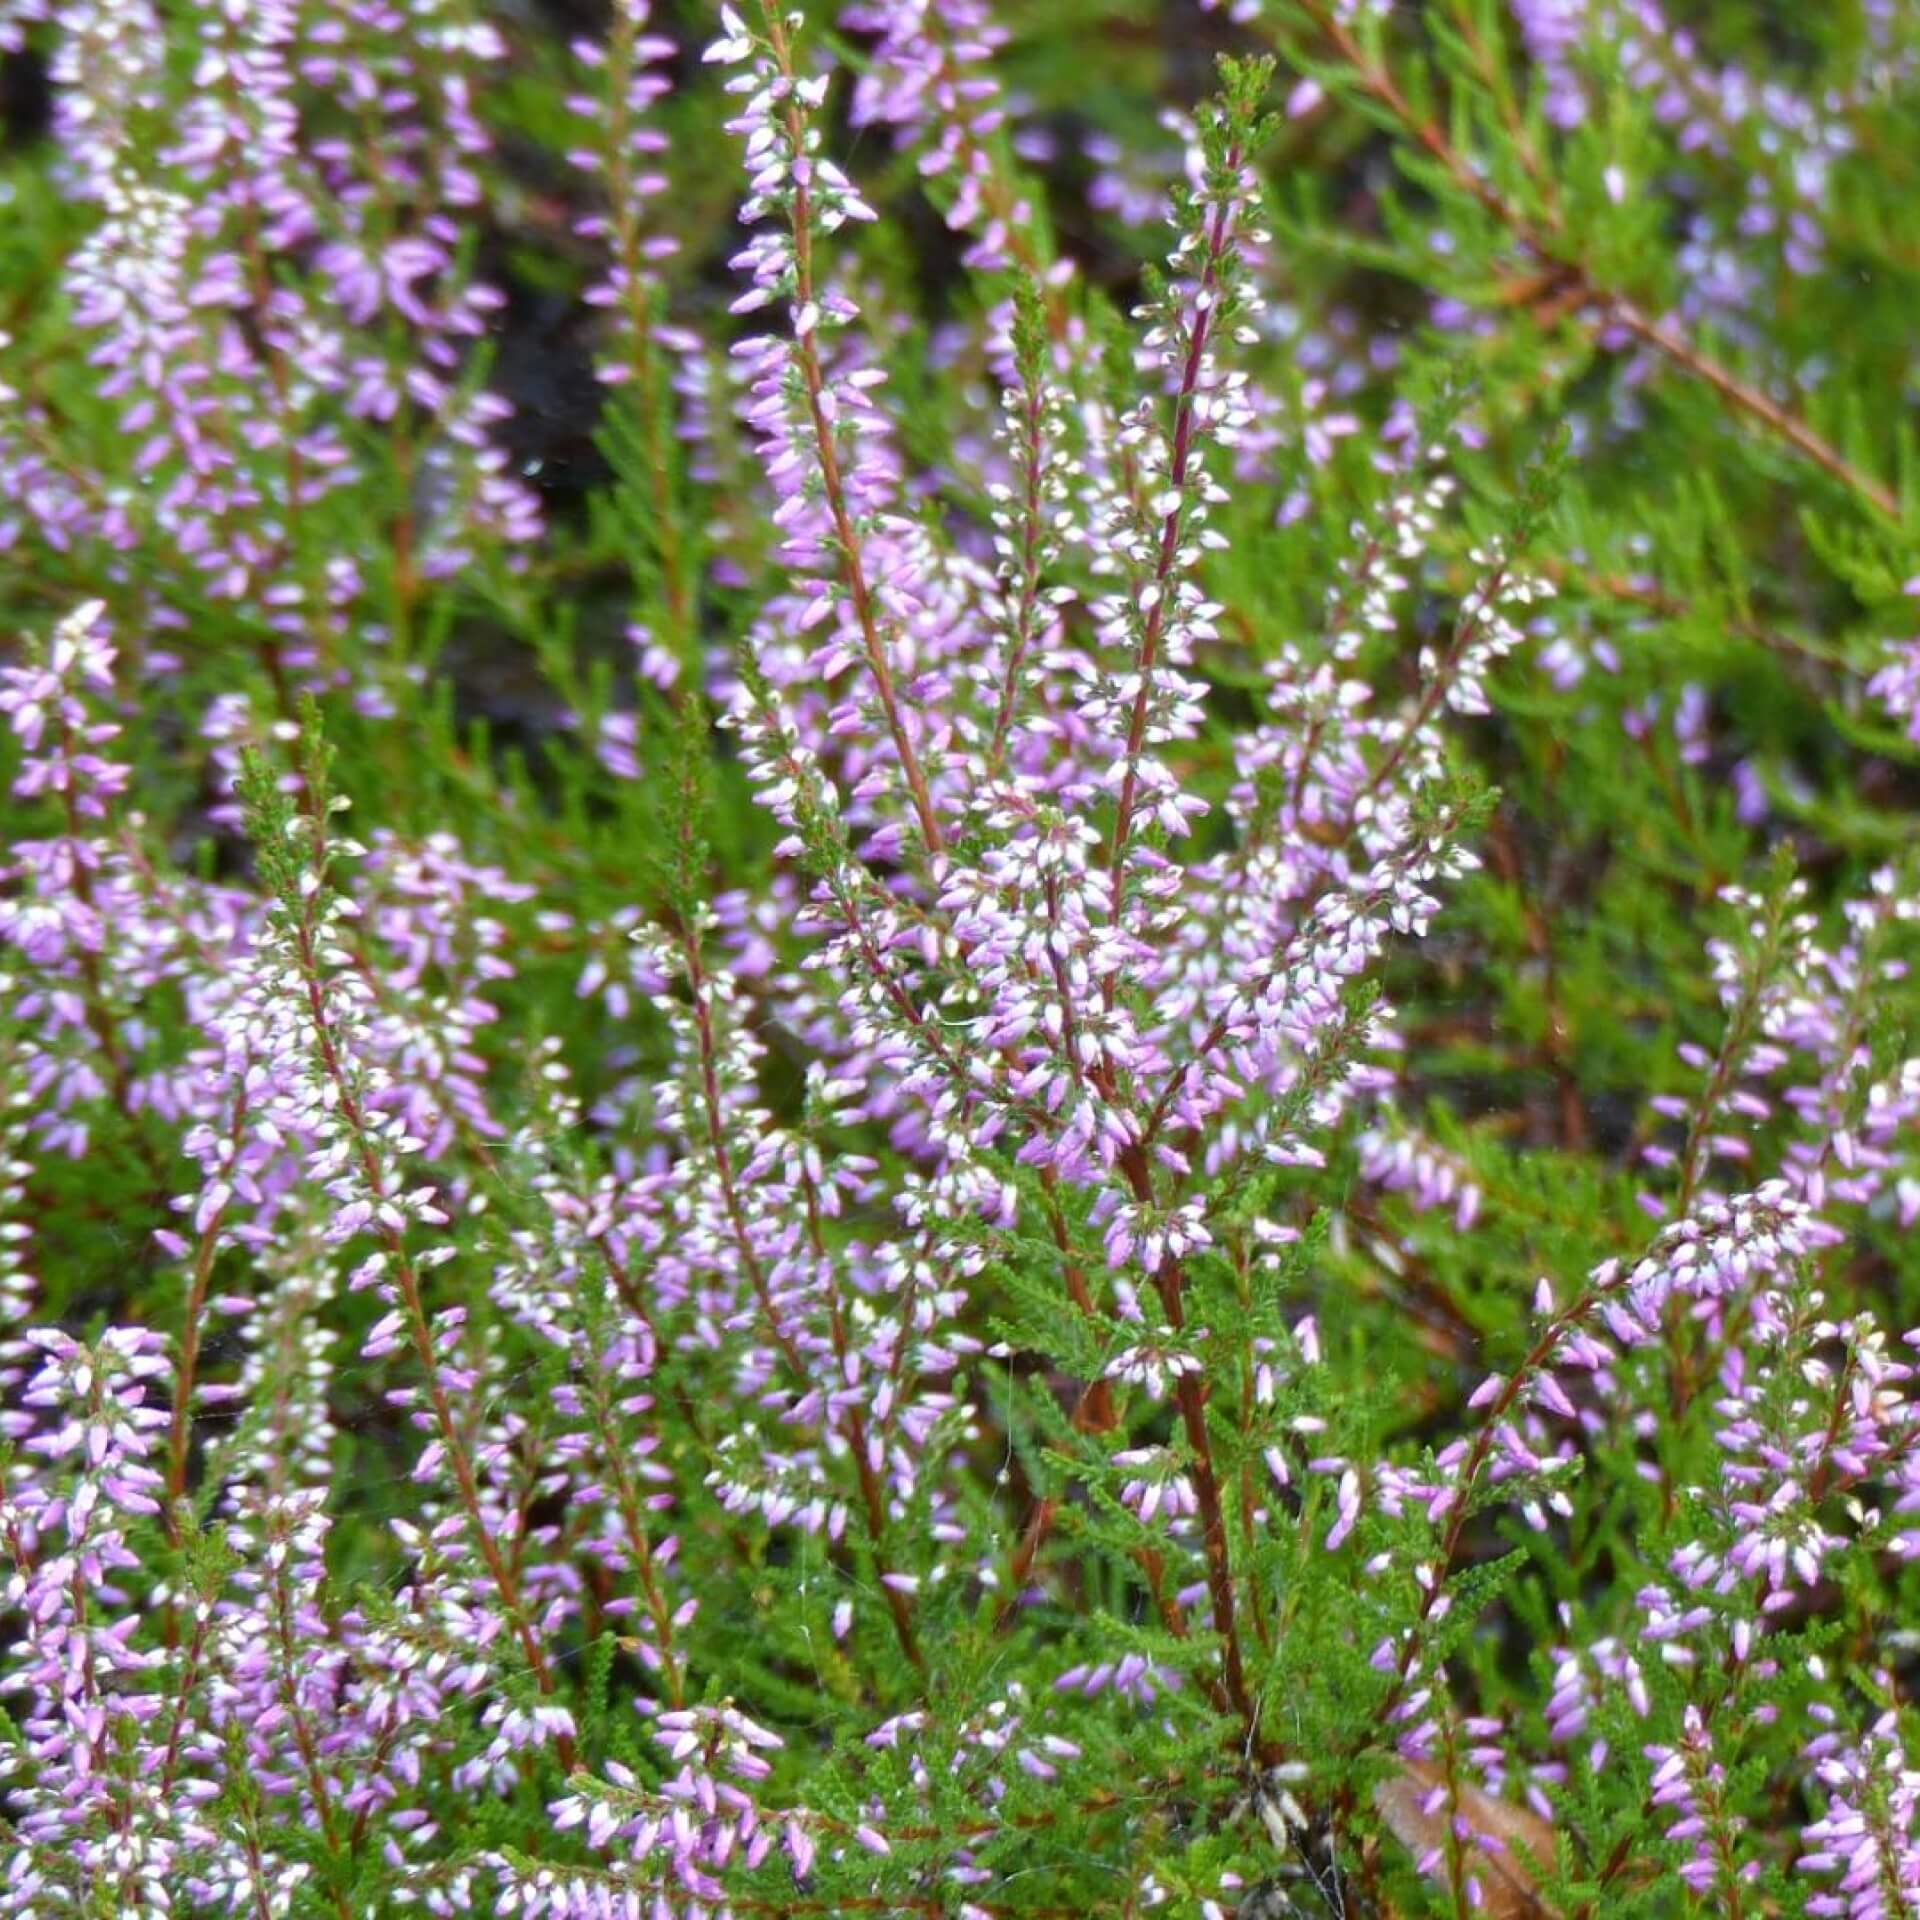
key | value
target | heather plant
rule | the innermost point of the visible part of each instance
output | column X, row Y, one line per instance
column 954, row 959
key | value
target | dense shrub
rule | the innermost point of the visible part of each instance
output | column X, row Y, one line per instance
column 949, row 971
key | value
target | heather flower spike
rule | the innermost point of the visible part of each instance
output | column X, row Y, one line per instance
column 942, row 976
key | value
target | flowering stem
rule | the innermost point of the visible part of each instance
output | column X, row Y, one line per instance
column 1480, row 604
column 290, row 1666
column 633, row 1521
column 183, row 1381
column 1190, row 1395
column 1503, row 1403
column 1463, row 1903
column 637, row 291
column 1032, row 506
column 853, row 1426
column 419, row 1327
column 189, row 1678
column 1205, row 310
column 813, row 378
column 99, row 1015
column 977, row 161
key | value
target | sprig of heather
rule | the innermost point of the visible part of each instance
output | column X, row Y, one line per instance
column 1865, row 1833
column 288, row 261
column 359, row 1154
column 623, row 149
column 51, row 702
column 1152, row 533
column 930, row 78
column 580, row 1271
column 625, row 157
column 1727, row 1248
column 761, row 1204
column 1032, row 517
column 809, row 421
column 87, row 940
column 1125, row 1094
column 873, row 1314
column 91, row 1824
column 1785, row 1453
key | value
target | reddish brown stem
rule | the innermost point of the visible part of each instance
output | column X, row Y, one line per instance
column 1605, row 306
column 853, row 572
column 853, row 1427
column 419, row 1327
column 1206, row 309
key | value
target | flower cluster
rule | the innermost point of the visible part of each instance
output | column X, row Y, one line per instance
column 1113, row 1106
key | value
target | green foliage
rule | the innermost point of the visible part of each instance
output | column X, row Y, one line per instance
column 1723, row 498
